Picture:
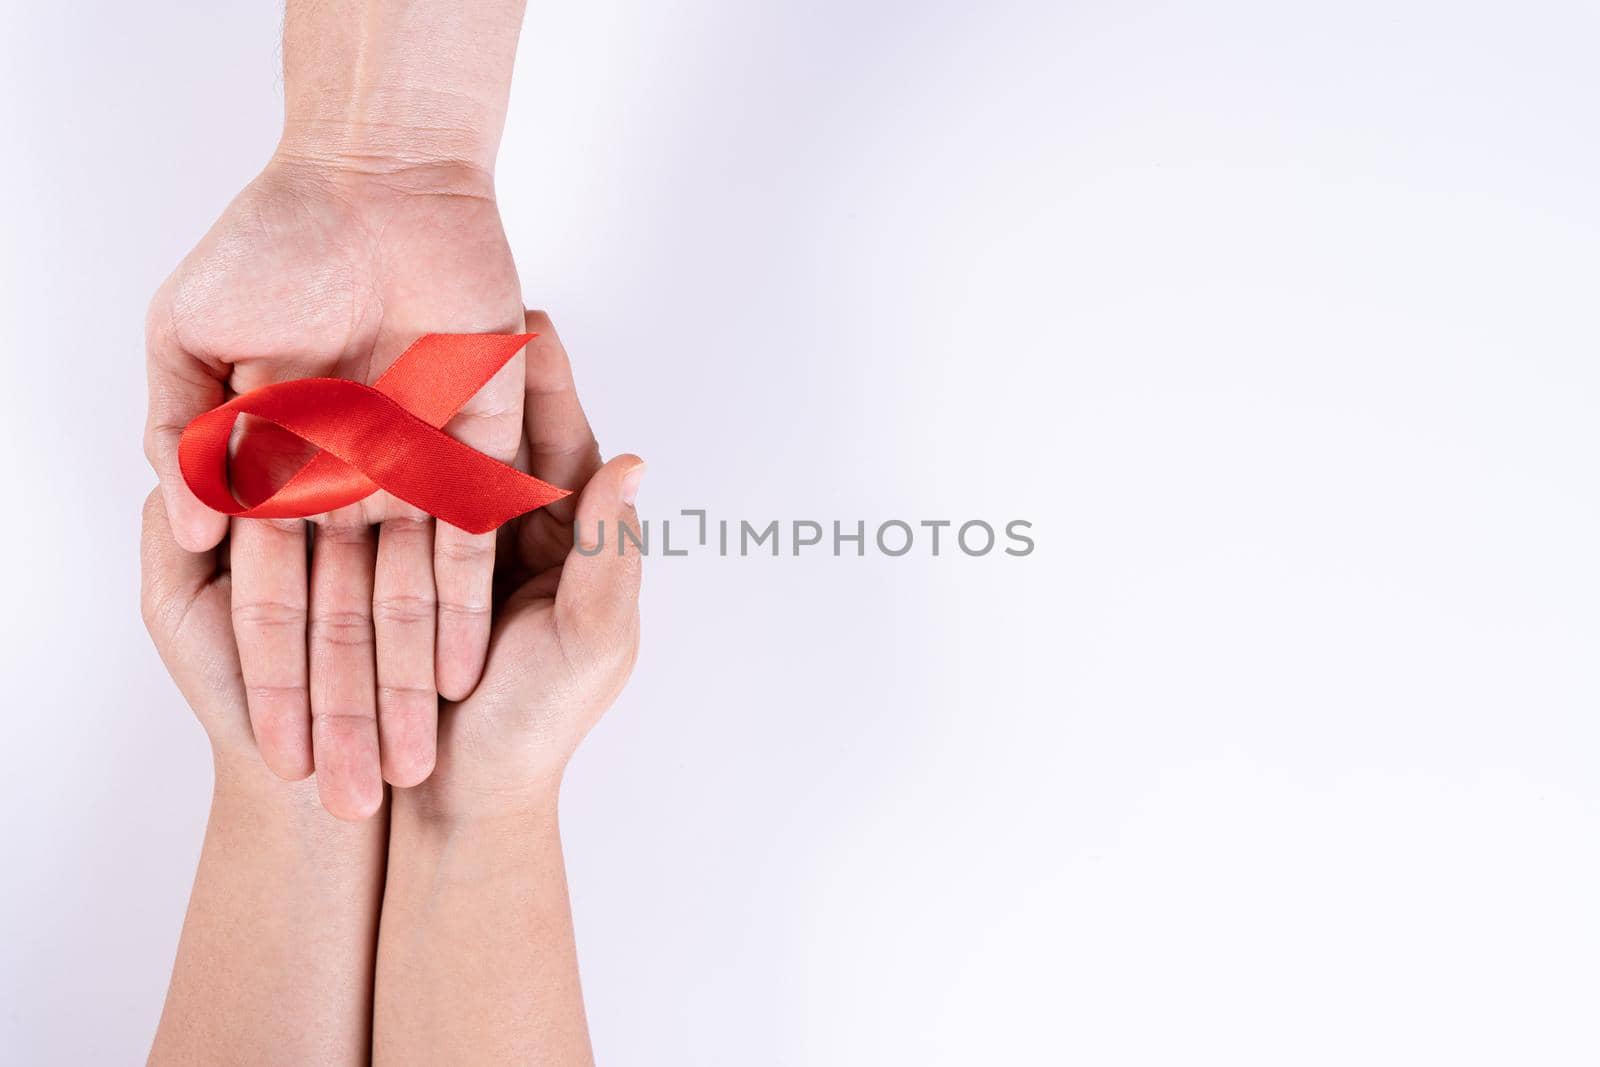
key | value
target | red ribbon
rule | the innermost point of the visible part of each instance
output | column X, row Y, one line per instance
column 383, row 436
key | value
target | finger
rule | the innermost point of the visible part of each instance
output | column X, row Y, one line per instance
column 597, row 605
column 170, row 576
column 463, row 563
column 180, row 388
column 463, row 573
column 344, row 714
column 403, row 607
column 269, row 624
column 561, row 446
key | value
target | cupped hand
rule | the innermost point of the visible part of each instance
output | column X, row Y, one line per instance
column 345, row 637
column 566, row 624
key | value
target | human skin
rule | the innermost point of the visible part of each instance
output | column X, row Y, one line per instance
column 278, row 942
column 476, row 959
column 374, row 222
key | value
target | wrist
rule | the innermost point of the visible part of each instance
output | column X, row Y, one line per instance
column 242, row 782
column 367, row 168
column 435, row 850
column 368, row 185
column 265, row 827
column 437, row 810
column 379, row 88
column 243, row 787
column 241, row 774
column 388, row 138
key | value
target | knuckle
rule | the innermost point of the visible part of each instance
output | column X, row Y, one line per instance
column 342, row 531
column 269, row 614
column 620, row 647
column 406, row 528
column 414, row 700
column 407, row 691
column 342, row 628
column 343, row 721
column 265, row 698
column 153, row 508
column 151, row 613
column 464, row 550
column 158, row 313
column 604, row 648
column 403, row 609
column 152, row 446
column 159, row 609
column 463, row 609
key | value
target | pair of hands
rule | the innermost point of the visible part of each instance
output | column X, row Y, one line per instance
column 325, row 646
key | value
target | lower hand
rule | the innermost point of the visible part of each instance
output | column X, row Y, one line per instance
column 566, row 626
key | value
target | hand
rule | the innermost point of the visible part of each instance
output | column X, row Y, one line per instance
column 566, row 627
column 320, row 269
column 476, row 923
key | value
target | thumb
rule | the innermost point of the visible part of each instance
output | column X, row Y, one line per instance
column 597, row 603
column 181, row 387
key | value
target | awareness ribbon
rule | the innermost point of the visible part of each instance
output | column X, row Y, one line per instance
column 383, row 436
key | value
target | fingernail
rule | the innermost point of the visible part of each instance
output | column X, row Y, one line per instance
column 630, row 484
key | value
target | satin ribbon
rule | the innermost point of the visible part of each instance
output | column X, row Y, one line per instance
column 384, row 436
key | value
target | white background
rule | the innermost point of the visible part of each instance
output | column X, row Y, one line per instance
column 1277, row 320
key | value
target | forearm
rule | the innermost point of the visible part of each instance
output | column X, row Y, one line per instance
column 476, row 959
column 275, row 960
column 386, row 84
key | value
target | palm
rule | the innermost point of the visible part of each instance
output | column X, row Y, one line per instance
column 303, row 279
column 566, row 622
column 521, row 708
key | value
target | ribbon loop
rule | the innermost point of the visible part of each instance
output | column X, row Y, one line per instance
column 384, row 436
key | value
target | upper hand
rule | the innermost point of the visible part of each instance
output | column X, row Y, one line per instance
column 317, row 271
